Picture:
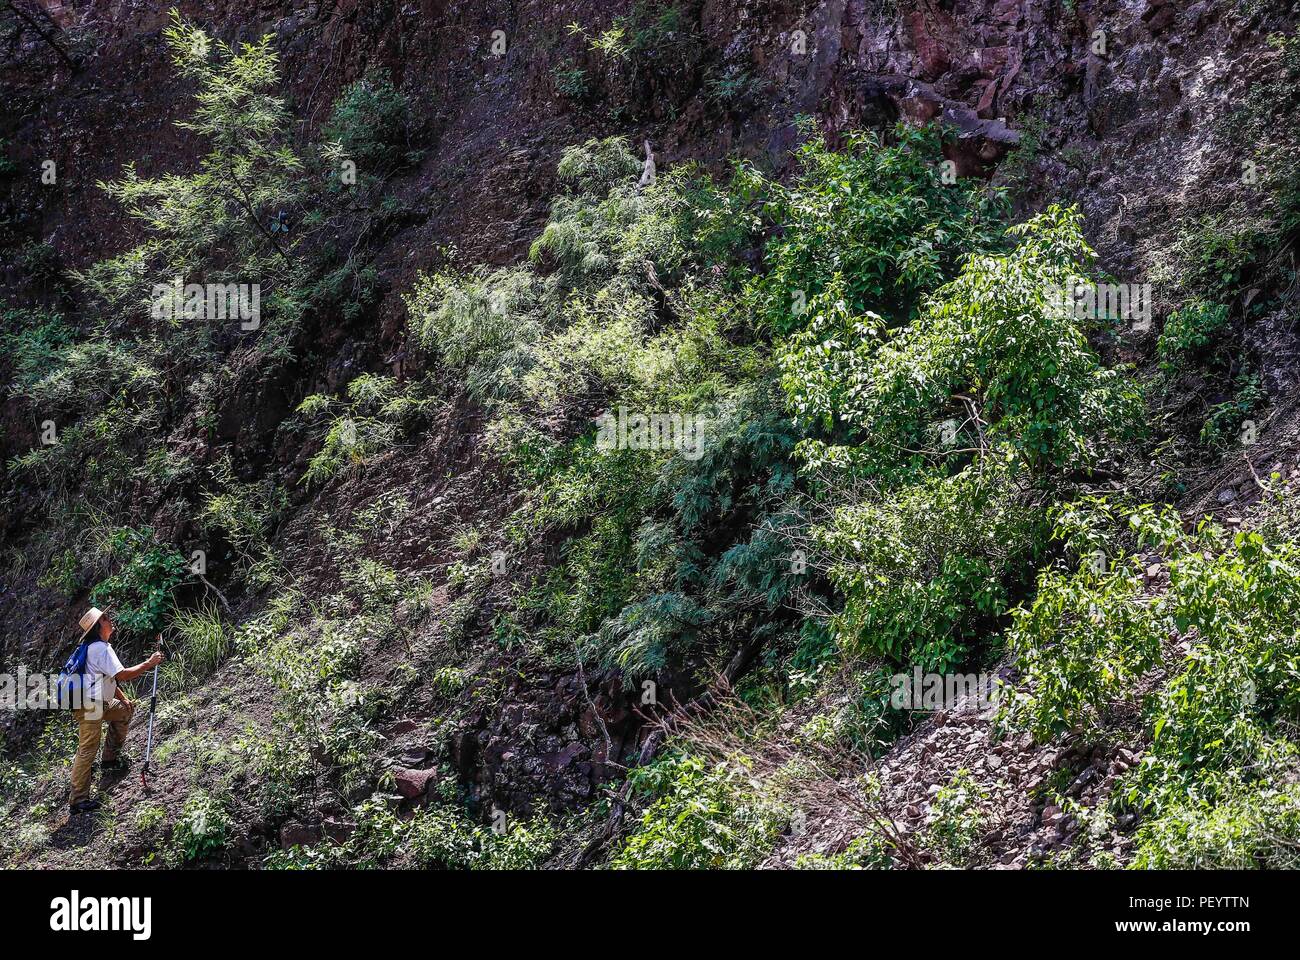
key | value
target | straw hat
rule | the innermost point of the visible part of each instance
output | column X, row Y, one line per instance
column 92, row 617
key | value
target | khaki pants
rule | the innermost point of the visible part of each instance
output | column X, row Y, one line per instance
column 117, row 714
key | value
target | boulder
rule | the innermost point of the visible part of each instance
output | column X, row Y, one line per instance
column 413, row 784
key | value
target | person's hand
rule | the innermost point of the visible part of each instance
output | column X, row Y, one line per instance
column 154, row 659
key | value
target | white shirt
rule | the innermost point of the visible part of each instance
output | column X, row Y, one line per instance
column 102, row 666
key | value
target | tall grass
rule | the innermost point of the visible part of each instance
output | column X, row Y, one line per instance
column 202, row 643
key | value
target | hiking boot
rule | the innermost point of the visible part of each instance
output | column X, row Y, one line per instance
column 121, row 762
column 85, row 806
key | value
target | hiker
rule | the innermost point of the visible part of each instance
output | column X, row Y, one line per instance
column 103, row 702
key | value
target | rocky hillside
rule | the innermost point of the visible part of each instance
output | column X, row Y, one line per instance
column 644, row 404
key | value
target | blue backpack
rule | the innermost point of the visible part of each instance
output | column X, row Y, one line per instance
column 70, row 688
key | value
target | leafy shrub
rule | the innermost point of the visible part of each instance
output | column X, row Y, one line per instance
column 448, row 681
column 1188, row 331
column 83, row 378
column 895, row 229
column 1249, row 829
column 149, row 817
column 928, row 572
column 936, row 552
column 571, row 81
column 603, row 349
column 248, row 171
column 592, row 170
column 1221, row 251
column 203, row 829
column 956, row 823
column 988, row 347
column 522, row 846
column 604, row 228
column 1215, row 720
column 484, row 323
column 595, row 575
column 442, row 837
column 720, row 538
column 378, row 410
column 436, row 836
column 733, row 86
column 1089, row 636
column 1086, row 641
column 1224, row 426
column 140, row 593
column 867, row 852
column 285, row 774
column 1018, row 167
column 579, row 323
column 34, row 342
column 369, row 121
column 1092, row 636
column 245, row 515
column 348, row 443
column 697, row 818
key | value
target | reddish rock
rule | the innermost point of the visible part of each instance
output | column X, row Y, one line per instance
column 930, row 53
column 413, row 784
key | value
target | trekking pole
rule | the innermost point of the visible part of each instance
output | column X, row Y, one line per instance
column 148, row 747
column 153, row 707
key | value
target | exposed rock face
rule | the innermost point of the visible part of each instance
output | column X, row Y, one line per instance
column 496, row 124
column 548, row 743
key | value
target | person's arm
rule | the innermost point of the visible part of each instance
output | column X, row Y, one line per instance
column 130, row 673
